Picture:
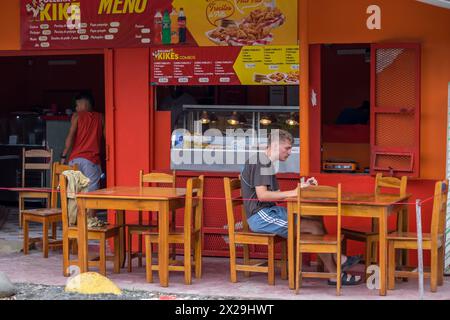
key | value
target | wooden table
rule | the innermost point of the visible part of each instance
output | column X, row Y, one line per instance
column 353, row 205
column 162, row 200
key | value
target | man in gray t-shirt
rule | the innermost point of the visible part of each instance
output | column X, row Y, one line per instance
column 252, row 176
column 260, row 191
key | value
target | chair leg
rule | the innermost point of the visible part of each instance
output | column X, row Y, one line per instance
column 148, row 259
column 74, row 246
column 21, row 207
column 102, row 261
column 139, row 251
column 187, row 263
column 298, row 265
column 338, row 272
column 233, row 272
column 54, row 230
column 284, row 261
column 174, row 225
column 391, row 265
column 434, row 269
column 198, row 255
column 375, row 250
column 66, row 256
column 130, row 251
column 441, row 258
column 26, row 244
column 320, row 265
column 271, row 262
column 367, row 257
column 246, row 259
column 45, row 238
column 344, row 246
column 116, row 254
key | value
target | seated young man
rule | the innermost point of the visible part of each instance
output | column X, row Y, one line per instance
column 261, row 190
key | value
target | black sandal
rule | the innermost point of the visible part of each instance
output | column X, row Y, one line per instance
column 346, row 280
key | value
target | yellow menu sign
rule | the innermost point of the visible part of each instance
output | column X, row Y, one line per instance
column 270, row 65
column 241, row 22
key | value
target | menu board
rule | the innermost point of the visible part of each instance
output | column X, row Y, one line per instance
column 81, row 24
column 274, row 65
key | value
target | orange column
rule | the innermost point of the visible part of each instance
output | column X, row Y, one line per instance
column 304, row 88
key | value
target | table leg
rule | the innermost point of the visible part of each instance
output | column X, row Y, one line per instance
column 405, row 228
column 291, row 253
column 163, row 252
column 120, row 221
column 383, row 250
column 82, row 236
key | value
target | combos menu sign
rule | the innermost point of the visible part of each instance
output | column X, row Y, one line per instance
column 66, row 24
column 249, row 65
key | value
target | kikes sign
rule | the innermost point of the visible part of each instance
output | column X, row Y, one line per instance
column 87, row 24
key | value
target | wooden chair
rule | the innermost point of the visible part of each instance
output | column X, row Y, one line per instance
column 371, row 238
column 70, row 234
column 307, row 243
column 35, row 160
column 45, row 216
column 190, row 236
column 433, row 241
column 247, row 237
column 154, row 179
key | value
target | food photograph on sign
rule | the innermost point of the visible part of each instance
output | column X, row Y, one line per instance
column 242, row 22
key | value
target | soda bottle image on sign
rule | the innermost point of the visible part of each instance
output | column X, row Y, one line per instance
column 182, row 26
column 174, row 26
column 166, row 37
column 157, row 29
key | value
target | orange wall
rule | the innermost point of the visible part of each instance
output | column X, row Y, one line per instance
column 331, row 21
column 10, row 25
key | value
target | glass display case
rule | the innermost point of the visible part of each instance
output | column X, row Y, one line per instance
column 223, row 138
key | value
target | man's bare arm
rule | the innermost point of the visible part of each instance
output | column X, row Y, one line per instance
column 265, row 195
column 71, row 135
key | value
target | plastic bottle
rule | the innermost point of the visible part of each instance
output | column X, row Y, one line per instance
column 182, row 26
column 174, row 26
column 157, row 29
column 166, row 28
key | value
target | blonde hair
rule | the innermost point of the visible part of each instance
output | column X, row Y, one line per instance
column 280, row 136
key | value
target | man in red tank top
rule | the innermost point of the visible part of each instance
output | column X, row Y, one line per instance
column 84, row 140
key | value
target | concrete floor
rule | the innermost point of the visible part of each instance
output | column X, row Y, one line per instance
column 33, row 268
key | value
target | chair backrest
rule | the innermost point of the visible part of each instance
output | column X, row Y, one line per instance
column 57, row 169
column 36, row 160
column 391, row 183
column 64, row 202
column 193, row 185
column 233, row 186
column 156, row 178
column 331, row 205
column 438, row 217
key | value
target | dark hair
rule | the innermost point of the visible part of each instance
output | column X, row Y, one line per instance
column 85, row 95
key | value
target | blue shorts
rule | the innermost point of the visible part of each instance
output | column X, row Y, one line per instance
column 90, row 170
column 270, row 220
